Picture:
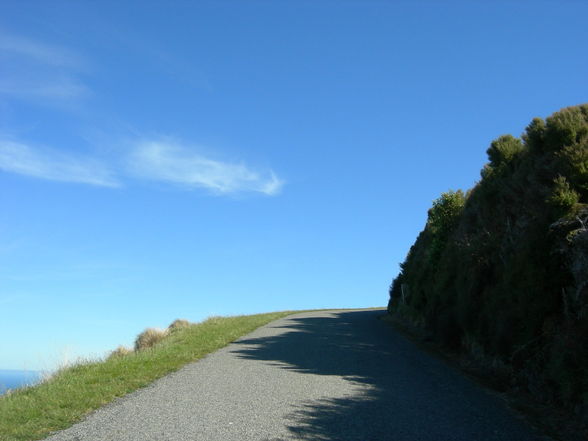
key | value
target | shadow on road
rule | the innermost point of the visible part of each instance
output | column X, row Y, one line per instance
column 404, row 394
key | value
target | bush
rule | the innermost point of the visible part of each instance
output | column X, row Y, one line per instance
column 121, row 351
column 442, row 219
column 505, row 267
column 503, row 150
column 149, row 338
column 574, row 165
column 563, row 198
column 178, row 324
column 567, row 127
column 534, row 135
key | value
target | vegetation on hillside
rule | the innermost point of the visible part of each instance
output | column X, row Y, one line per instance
column 502, row 270
column 73, row 392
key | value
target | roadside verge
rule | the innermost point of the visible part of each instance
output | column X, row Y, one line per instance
column 72, row 393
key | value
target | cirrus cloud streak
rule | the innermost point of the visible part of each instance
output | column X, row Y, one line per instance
column 162, row 161
column 53, row 165
column 171, row 162
column 36, row 70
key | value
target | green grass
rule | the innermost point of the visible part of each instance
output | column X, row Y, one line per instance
column 34, row 412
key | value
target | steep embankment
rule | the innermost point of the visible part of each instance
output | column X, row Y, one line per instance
column 502, row 270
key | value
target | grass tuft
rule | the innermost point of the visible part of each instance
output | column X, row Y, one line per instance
column 121, row 351
column 178, row 324
column 149, row 338
column 72, row 393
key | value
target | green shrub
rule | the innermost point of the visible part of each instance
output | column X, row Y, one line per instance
column 562, row 197
column 534, row 136
column 442, row 219
column 503, row 150
column 491, row 268
column 573, row 162
column 567, row 127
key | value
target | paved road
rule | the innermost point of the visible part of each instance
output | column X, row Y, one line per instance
column 338, row 375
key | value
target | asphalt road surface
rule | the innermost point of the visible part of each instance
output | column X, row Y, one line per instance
column 336, row 375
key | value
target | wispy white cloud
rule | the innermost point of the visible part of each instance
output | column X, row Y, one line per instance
column 41, row 52
column 53, row 165
column 160, row 160
column 168, row 161
column 57, row 88
column 32, row 69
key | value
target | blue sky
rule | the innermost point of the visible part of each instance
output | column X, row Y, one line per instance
column 163, row 160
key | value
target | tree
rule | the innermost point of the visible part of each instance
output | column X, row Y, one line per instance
column 503, row 150
column 443, row 217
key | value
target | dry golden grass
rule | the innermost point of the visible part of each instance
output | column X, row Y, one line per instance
column 121, row 351
column 178, row 324
column 149, row 338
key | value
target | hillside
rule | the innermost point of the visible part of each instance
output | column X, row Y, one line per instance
column 501, row 271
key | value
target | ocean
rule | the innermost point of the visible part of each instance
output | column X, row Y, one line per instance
column 13, row 379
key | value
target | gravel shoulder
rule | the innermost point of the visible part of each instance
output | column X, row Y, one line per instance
column 325, row 375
